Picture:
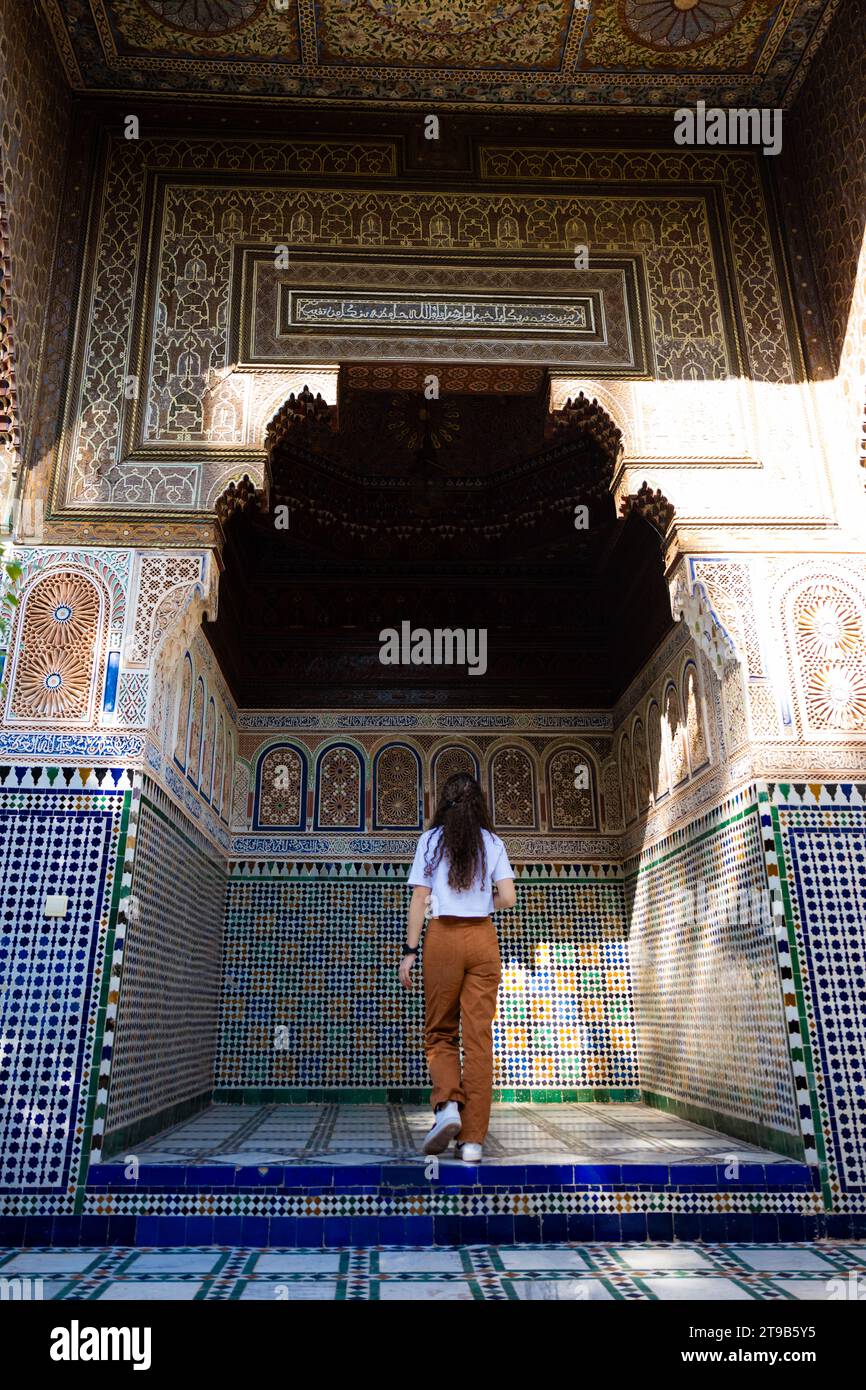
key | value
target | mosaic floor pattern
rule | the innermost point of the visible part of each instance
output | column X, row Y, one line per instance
column 827, row 1271
column 393, row 1133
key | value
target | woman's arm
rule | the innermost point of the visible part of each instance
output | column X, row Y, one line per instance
column 504, row 893
column 417, row 908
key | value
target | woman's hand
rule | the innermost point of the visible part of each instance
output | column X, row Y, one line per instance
column 405, row 971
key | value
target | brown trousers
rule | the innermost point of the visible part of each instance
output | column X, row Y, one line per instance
column 462, row 969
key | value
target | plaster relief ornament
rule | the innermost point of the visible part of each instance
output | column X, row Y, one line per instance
column 838, row 697
column 62, row 612
column 695, row 611
column 680, row 23
column 830, row 625
column 53, row 685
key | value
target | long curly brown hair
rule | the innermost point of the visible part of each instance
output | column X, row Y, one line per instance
column 462, row 814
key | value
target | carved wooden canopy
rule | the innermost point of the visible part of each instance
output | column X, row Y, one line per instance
column 466, row 510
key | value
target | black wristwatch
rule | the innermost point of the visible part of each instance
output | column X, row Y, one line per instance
column 409, row 950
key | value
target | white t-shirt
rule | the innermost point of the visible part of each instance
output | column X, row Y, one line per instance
column 446, row 901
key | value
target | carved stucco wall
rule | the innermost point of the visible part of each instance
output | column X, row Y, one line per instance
column 723, row 403
column 34, row 128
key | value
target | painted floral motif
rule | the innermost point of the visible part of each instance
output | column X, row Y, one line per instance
column 205, row 16
column 459, row 33
column 680, row 23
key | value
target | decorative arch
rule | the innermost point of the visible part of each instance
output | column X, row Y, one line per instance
column 229, row 775
column 208, row 745
column 626, row 771
column 58, row 667
column 447, row 762
column 397, row 803
column 570, row 807
column 675, row 736
column 280, row 788
column 612, row 791
column 340, row 785
column 219, row 764
column 693, row 705
column 660, row 778
column 196, row 722
column 643, row 785
column 513, row 800
column 184, row 703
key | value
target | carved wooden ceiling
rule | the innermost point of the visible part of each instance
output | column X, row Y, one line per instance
column 378, row 530
column 565, row 54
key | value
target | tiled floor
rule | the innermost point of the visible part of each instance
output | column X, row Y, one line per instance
column 829, row 1271
column 356, row 1134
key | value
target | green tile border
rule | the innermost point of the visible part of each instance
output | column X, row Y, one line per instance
column 92, row 1109
column 129, row 1135
column 819, row 1117
column 730, row 1126
column 411, row 1095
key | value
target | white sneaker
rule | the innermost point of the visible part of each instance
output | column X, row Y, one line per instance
column 469, row 1153
column 446, row 1125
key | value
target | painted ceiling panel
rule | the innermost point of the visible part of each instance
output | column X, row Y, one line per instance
column 588, row 54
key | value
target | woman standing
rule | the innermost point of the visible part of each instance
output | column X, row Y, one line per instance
column 462, row 869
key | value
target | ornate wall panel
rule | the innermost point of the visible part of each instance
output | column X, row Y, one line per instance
column 827, row 620
column 446, row 763
column 571, row 805
column 692, row 225
column 184, row 705
column 397, row 791
column 696, row 737
column 34, row 130
column 339, row 789
column 626, row 772
column 640, row 754
column 59, row 662
column 161, row 588
column 196, row 719
column 513, row 803
column 281, row 789
column 207, row 750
